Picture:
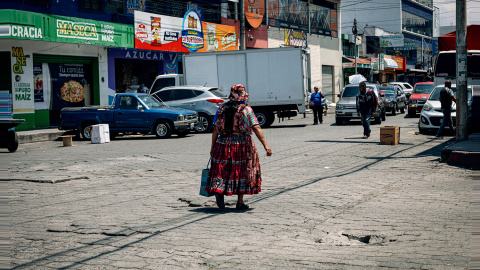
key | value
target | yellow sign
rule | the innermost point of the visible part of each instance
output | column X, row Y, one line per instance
column 21, row 60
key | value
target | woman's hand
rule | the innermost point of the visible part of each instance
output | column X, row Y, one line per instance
column 269, row 150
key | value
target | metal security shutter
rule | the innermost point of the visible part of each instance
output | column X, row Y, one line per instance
column 327, row 82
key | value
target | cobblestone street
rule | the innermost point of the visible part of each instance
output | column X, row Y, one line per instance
column 329, row 200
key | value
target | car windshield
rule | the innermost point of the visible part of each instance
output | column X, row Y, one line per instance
column 217, row 93
column 151, row 102
column 351, row 91
column 387, row 92
column 436, row 93
column 423, row 89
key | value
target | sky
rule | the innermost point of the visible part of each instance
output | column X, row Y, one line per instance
column 448, row 14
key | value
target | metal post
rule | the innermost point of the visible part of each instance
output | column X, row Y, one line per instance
column 235, row 10
column 356, row 49
column 242, row 25
column 266, row 13
column 423, row 65
column 462, row 128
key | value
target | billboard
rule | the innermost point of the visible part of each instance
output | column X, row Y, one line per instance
column 391, row 41
column 188, row 34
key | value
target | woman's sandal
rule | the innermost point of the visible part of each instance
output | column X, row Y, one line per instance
column 242, row 206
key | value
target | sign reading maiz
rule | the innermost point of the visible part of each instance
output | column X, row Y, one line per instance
column 91, row 32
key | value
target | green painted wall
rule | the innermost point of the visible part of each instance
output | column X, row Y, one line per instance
column 42, row 118
column 29, row 121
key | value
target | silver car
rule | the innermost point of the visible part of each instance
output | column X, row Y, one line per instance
column 204, row 100
column 431, row 116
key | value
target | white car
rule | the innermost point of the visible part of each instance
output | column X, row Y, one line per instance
column 431, row 115
column 406, row 87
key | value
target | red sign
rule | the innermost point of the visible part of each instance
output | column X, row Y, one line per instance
column 254, row 10
column 401, row 63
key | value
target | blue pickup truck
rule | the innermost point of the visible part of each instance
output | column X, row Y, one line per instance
column 130, row 112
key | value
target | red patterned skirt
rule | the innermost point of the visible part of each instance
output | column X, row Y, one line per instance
column 235, row 167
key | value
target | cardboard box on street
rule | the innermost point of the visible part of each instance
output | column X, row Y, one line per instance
column 390, row 135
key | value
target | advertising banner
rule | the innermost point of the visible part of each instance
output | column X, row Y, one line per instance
column 391, row 41
column 133, row 5
column 293, row 14
column 22, row 25
column 189, row 35
column 254, row 10
column 381, row 65
column 295, row 38
column 22, row 78
column 38, row 82
column 70, row 85
column 409, row 45
column 374, row 62
column 400, row 62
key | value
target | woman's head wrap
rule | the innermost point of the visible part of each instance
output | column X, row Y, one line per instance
column 238, row 93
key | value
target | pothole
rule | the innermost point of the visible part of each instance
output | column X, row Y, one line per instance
column 346, row 239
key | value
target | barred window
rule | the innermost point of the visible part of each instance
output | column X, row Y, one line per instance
column 92, row 5
column 115, row 6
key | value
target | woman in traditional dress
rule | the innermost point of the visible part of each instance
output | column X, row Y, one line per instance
column 235, row 166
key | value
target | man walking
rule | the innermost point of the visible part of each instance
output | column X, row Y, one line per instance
column 446, row 98
column 317, row 106
column 367, row 103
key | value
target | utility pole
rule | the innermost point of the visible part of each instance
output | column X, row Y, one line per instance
column 462, row 128
column 242, row 25
column 355, row 32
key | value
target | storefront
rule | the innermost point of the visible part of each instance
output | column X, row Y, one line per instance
column 131, row 68
column 56, row 62
column 364, row 68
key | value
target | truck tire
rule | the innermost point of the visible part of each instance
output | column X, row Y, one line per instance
column 162, row 129
column 86, row 130
column 204, row 123
column 12, row 141
column 263, row 117
column 338, row 121
column 272, row 119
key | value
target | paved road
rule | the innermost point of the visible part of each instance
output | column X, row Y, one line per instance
column 330, row 200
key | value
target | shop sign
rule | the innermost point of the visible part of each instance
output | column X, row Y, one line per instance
column 21, row 32
column 348, row 65
column 188, row 34
column 391, row 41
column 254, row 10
column 400, row 62
column 74, row 30
column 374, row 62
column 192, row 35
column 409, row 45
column 22, row 78
column 295, row 38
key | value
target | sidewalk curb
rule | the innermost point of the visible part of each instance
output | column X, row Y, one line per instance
column 48, row 135
column 469, row 160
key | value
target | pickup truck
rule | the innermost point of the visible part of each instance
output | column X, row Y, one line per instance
column 130, row 112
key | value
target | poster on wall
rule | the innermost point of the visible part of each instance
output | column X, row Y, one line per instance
column 188, row 34
column 71, row 85
column 22, row 78
column 254, row 10
column 38, row 82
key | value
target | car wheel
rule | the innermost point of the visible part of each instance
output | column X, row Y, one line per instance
column 263, row 118
column 411, row 114
column 378, row 120
column 86, row 130
column 402, row 110
column 183, row 133
column 394, row 109
column 384, row 115
column 162, row 129
column 338, row 121
column 113, row 134
column 204, row 123
column 422, row 130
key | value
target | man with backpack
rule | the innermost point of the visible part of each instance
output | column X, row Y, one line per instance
column 446, row 98
column 367, row 103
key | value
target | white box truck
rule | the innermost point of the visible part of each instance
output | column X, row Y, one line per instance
column 277, row 80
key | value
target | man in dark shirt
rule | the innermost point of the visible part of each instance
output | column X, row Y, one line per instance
column 446, row 98
column 367, row 103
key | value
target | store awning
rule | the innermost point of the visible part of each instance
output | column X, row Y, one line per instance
column 390, row 63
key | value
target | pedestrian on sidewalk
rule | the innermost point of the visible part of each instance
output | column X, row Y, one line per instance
column 317, row 106
column 235, row 168
column 367, row 103
column 446, row 98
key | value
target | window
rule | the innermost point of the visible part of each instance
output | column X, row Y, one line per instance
column 416, row 24
column 162, row 83
column 128, row 103
column 164, row 95
column 198, row 92
column 183, row 94
column 217, row 92
column 115, row 6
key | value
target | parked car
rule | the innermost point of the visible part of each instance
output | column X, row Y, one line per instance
column 432, row 116
column 130, row 112
column 204, row 100
column 419, row 96
column 346, row 108
column 395, row 99
column 406, row 87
